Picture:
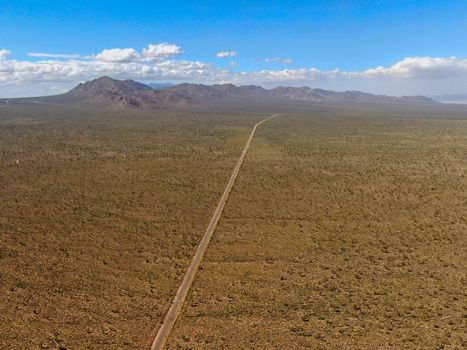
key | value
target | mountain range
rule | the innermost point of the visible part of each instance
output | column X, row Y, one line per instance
column 121, row 94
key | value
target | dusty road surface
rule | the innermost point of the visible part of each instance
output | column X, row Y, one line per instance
column 182, row 291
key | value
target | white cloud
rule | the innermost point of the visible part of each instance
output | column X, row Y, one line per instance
column 233, row 64
column 225, row 54
column 157, row 51
column 53, row 55
column 152, row 52
column 117, row 55
column 302, row 75
column 4, row 54
column 279, row 60
column 75, row 70
column 418, row 68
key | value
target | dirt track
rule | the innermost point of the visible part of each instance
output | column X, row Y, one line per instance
column 187, row 281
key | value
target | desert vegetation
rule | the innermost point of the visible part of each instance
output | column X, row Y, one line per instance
column 100, row 217
column 344, row 231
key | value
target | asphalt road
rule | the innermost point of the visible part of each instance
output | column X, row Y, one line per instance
column 176, row 306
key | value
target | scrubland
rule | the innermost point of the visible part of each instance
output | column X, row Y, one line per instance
column 342, row 232
column 99, row 219
column 346, row 228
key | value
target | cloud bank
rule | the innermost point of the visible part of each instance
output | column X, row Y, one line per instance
column 160, row 62
column 419, row 68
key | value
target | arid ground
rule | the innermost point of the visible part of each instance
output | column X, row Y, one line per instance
column 341, row 233
column 99, row 219
column 346, row 228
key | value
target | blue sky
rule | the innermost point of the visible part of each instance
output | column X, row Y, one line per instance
column 273, row 36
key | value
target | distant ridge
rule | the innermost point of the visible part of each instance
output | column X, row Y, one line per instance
column 455, row 98
column 131, row 94
column 320, row 95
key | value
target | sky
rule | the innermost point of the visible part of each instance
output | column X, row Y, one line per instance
column 394, row 47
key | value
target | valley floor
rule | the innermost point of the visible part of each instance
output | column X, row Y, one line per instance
column 341, row 233
column 100, row 217
column 345, row 228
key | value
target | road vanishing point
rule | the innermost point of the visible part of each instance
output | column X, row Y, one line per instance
column 177, row 304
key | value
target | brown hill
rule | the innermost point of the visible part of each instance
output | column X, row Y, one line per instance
column 115, row 93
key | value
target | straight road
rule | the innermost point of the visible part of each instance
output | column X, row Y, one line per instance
column 175, row 308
